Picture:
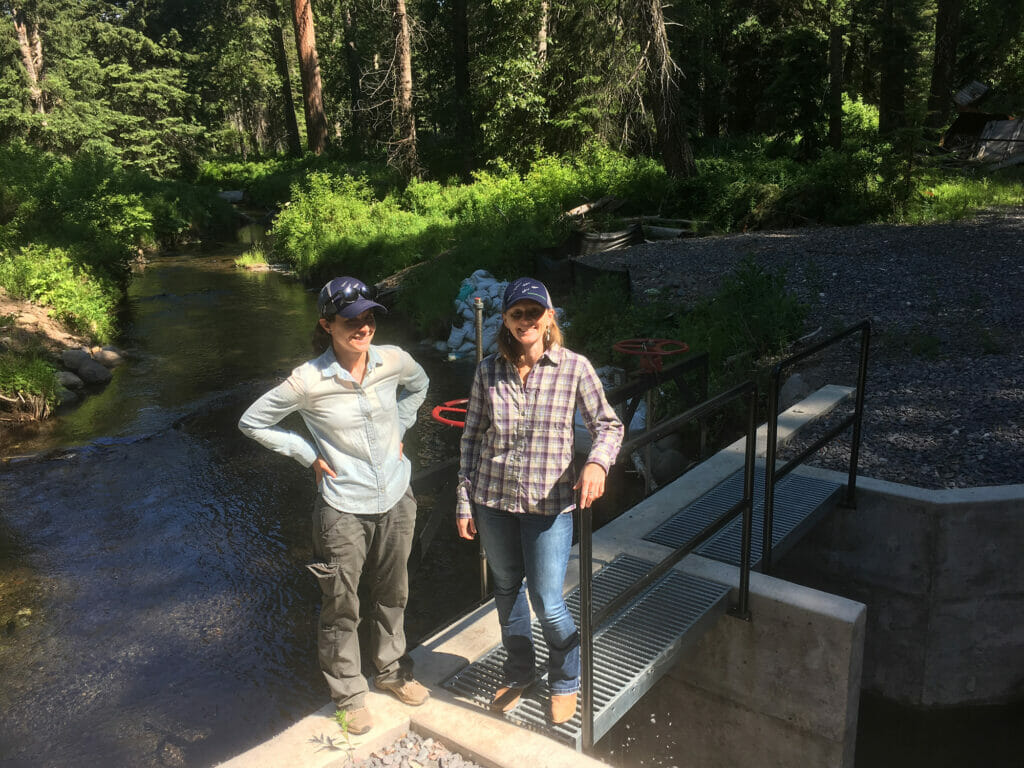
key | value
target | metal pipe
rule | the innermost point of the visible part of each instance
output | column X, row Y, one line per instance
column 478, row 319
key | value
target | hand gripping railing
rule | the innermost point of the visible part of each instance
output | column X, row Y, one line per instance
column 772, row 473
column 588, row 619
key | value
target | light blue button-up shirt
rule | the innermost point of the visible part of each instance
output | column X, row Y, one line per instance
column 357, row 428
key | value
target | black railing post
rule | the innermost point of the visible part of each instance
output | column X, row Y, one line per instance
column 586, row 629
column 743, row 607
column 478, row 319
column 858, row 415
column 771, row 450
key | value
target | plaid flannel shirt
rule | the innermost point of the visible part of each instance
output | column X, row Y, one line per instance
column 517, row 446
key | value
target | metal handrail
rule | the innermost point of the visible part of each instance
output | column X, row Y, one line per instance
column 631, row 394
column 774, row 474
column 589, row 620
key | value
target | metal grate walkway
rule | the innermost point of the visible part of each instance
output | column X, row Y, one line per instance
column 797, row 500
column 631, row 651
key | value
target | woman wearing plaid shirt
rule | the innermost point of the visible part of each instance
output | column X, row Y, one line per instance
column 517, row 482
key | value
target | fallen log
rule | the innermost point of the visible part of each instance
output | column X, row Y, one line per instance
column 608, row 201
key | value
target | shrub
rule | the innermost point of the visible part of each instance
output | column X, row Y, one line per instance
column 752, row 313
column 30, row 379
column 52, row 277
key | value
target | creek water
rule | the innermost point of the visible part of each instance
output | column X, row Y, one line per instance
column 157, row 608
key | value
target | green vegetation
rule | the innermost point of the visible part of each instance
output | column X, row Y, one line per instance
column 51, row 277
column 254, row 257
column 750, row 317
column 69, row 228
column 28, row 381
column 340, row 222
column 337, row 224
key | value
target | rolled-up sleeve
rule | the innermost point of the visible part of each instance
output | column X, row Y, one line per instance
column 604, row 425
column 260, row 422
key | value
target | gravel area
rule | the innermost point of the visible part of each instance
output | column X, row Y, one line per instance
column 944, row 401
column 415, row 751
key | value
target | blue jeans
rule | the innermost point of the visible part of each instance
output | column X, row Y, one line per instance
column 535, row 547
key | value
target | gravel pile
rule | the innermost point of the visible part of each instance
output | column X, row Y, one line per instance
column 945, row 392
column 415, row 751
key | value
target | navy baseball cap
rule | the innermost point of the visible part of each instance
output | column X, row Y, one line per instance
column 526, row 288
column 347, row 297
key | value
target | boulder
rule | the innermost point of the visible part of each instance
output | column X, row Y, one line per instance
column 107, row 356
column 68, row 380
column 73, row 359
column 92, row 372
column 66, row 397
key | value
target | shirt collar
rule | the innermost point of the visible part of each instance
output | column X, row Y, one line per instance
column 552, row 356
column 329, row 366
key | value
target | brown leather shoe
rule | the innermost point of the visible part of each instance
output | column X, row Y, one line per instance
column 355, row 721
column 406, row 691
column 506, row 698
column 563, row 707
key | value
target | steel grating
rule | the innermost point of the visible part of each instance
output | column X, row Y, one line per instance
column 631, row 651
column 797, row 499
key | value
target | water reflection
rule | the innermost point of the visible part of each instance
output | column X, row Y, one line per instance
column 160, row 613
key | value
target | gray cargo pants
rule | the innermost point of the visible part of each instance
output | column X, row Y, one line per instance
column 343, row 544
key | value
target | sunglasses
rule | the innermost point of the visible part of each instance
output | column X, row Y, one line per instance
column 532, row 314
column 350, row 294
column 355, row 323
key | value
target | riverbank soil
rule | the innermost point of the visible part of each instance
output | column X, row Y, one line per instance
column 31, row 326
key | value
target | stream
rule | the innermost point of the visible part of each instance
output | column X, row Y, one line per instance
column 152, row 583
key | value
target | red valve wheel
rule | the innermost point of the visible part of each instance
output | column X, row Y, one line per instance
column 651, row 351
column 455, row 407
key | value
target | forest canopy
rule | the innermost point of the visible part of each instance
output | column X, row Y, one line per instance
column 443, row 87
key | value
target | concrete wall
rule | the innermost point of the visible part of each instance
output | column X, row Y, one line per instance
column 940, row 572
column 779, row 690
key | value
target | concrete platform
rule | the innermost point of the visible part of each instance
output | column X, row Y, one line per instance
column 479, row 735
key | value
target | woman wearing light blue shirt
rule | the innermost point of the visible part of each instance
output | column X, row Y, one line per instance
column 357, row 401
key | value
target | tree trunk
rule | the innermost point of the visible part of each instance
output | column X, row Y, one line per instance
column 835, row 76
column 542, row 33
column 460, row 62
column 947, row 37
column 291, row 125
column 664, row 92
column 352, row 66
column 309, row 67
column 31, row 48
column 403, row 150
column 896, row 42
